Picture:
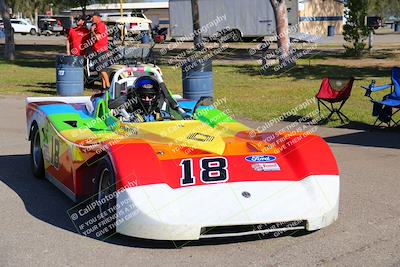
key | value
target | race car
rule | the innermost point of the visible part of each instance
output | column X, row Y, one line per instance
column 190, row 172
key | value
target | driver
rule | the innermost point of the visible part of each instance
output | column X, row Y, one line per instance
column 150, row 101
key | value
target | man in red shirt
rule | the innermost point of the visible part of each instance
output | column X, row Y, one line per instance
column 77, row 37
column 100, row 48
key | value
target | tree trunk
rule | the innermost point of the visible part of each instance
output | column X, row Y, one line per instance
column 37, row 18
column 83, row 4
column 9, row 47
column 282, row 29
column 197, row 39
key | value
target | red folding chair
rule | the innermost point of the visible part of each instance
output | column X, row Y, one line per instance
column 332, row 91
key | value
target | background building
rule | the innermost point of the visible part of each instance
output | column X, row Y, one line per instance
column 312, row 16
column 315, row 16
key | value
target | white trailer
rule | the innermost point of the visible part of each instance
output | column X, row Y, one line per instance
column 254, row 18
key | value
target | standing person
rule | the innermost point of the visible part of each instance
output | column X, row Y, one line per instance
column 77, row 37
column 100, row 48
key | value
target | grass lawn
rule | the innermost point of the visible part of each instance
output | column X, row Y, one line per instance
column 249, row 94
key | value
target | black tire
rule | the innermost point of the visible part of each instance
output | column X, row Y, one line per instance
column 88, row 83
column 111, row 76
column 105, row 187
column 36, row 157
column 32, row 32
column 236, row 36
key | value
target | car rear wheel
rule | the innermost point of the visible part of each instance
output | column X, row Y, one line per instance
column 32, row 32
column 236, row 35
column 106, row 197
column 36, row 158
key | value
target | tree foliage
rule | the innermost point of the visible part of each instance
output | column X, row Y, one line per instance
column 355, row 31
column 28, row 8
column 384, row 8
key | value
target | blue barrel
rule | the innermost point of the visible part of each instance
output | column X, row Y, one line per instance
column 145, row 38
column 69, row 75
column 331, row 30
column 197, row 79
column 397, row 26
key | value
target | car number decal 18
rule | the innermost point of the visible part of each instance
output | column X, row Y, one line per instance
column 212, row 170
column 55, row 152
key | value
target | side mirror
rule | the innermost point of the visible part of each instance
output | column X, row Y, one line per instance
column 203, row 101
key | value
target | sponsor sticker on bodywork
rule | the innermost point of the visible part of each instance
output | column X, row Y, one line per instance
column 260, row 158
column 266, row 167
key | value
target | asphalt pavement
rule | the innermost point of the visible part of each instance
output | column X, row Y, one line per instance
column 35, row 229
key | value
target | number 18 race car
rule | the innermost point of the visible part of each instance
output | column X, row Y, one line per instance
column 157, row 166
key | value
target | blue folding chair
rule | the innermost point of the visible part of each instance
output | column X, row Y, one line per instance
column 385, row 109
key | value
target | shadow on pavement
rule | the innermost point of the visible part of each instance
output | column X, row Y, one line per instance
column 41, row 199
column 318, row 71
column 374, row 138
column 144, row 243
column 46, row 203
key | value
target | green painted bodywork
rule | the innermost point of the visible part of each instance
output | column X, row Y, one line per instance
column 102, row 121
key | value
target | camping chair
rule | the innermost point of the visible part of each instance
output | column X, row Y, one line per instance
column 383, row 109
column 334, row 91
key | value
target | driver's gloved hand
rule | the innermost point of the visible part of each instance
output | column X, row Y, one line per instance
column 187, row 116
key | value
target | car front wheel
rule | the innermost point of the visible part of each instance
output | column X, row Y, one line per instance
column 32, row 32
column 106, row 197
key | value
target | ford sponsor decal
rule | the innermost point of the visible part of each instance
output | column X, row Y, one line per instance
column 260, row 158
